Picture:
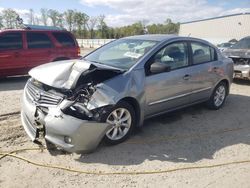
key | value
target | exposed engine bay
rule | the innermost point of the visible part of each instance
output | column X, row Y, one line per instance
column 77, row 98
column 241, row 61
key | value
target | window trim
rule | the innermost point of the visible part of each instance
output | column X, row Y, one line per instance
column 192, row 57
column 148, row 63
column 22, row 40
column 52, row 43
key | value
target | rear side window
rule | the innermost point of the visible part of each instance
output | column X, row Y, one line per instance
column 11, row 41
column 202, row 53
column 38, row 40
column 64, row 39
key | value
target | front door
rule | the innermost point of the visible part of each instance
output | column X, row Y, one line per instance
column 172, row 89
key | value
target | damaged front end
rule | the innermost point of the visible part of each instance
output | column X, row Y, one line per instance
column 241, row 58
column 68, row 116
column 241, row 67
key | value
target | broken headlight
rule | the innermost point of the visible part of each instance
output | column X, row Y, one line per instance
column 77, row 103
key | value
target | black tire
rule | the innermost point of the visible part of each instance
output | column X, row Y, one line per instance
column 60, row 59
column 211, row 103
column 104, row 117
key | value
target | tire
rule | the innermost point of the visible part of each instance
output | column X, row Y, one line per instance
column 120, row 130
column 60, row 59
column 218, row 96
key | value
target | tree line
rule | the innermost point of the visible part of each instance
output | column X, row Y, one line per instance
column 82, row 25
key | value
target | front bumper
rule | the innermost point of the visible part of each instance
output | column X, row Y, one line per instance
column 55, row 126
column 242, row 72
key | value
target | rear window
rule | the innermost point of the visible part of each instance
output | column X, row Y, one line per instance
column 38, row 40
column 64, row 39
column 11, row 41
column 202, row 53
column 242, row 44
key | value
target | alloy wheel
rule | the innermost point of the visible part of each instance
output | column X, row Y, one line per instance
column 121, row 120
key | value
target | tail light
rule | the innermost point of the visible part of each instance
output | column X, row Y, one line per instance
column 78, row 51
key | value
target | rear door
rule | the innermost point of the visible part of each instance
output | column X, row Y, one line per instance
column 12, row 61
column 40, row 48
column 205, row 71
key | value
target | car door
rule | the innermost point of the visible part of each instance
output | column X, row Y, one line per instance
column 168, row 90
column 12, row 61
column 204, row 71
column 40, row 48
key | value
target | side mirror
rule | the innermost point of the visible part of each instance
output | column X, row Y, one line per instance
column 159, row 68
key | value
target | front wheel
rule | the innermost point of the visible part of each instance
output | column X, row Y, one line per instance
column 218, row 97
column 122, row 118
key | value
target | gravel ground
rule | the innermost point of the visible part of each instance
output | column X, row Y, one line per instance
column 189, row 137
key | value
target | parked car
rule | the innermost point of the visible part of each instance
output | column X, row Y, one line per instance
column 240, row 54
column 224, row 46
column 77, row 103
column 23, row 49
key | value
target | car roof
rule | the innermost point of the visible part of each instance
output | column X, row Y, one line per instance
column 31, row 30
column 153, row 37
column 163, row 37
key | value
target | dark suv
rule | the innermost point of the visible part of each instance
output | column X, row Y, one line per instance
column 23, row 49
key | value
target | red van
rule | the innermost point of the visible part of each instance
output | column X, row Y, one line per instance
column 23, row 49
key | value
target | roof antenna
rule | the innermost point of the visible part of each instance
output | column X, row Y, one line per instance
column 189, row 34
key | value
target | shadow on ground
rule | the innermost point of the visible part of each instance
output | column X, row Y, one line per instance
column 152, row 142
column 242, row 82
column 13, row 83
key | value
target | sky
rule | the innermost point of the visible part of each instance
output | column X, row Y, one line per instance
column 125, row 12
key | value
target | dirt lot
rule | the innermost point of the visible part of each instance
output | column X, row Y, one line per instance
column 194, row 136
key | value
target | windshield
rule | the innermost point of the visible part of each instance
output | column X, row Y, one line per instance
column 122, row 53
column 242, row 44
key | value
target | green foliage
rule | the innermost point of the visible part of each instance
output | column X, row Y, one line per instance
column 84, row 26
column 10, row 18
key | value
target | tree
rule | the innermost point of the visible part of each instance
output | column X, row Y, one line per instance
column 69, row 19
column 56, row 17
column 1, row 22
column 80, row 20
column 10, row 18
column 91, row 25
column 103, row 28
column 44, row 16
column 31, row 17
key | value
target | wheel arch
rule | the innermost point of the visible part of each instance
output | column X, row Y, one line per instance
column 135, row 104
column 227, row 84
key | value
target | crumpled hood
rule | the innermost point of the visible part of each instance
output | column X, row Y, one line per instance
column 237, row 53
column 60, row 74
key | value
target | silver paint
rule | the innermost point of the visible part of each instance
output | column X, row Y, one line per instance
column 153, row 94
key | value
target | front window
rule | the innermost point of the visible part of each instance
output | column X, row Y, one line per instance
column 11, row 41
column 174, row 55
column 123, row 53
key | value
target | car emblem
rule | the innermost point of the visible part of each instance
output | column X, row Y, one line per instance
column 38, row 96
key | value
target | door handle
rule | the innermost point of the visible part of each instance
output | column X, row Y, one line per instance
column 186, row 77
column 16, row 54
column 215, row 68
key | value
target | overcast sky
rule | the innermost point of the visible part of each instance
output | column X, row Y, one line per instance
column 124, row 12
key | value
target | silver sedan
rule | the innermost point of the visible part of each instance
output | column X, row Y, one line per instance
column 76, row 104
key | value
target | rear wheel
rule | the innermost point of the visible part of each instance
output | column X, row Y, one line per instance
column 122, row 118
column 218, row 97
